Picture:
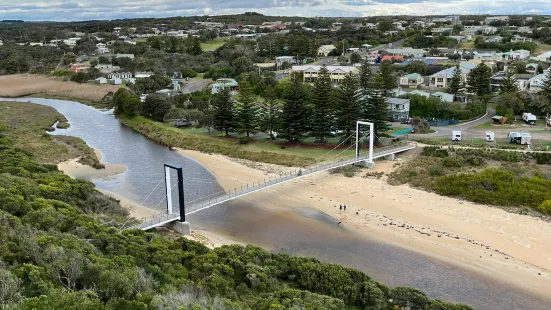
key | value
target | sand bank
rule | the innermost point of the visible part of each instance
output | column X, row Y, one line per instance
column 507, row 247
column 77, row 170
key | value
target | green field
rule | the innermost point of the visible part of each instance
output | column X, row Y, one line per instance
column 212, row 45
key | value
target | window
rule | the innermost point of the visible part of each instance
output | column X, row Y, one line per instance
column 440, row 80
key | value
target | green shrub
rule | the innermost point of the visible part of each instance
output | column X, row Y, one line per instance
column 436, row 170
column 453, row 162
column 545, row 207
column 435, row 151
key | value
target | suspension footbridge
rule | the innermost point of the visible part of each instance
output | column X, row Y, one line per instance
column 221, row 197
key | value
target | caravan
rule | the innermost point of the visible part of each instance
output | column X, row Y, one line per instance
column 456, row 136
column 520, row 138
column 529, row 118
column 490, row 137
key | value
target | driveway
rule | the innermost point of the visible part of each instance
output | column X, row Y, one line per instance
column 193, row 86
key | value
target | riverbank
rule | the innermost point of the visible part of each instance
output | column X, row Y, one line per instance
column 510, row 248
column 13, row 86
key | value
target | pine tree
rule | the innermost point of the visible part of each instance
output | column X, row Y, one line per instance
column 222, row 103
column 348, row 105
column 509, row 83
column 454, row 86
column 322, row 102
column 479, row 80
column 367, row 111
column 546, row 88
column 246, row 113
column 377, row 101
column 295, row 118
column 270, row 114
column 389, row 77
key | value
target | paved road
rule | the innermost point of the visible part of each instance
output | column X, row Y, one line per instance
column 192, row 86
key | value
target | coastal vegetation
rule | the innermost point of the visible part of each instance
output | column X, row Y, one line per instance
column 509, row 179
column 61, row 248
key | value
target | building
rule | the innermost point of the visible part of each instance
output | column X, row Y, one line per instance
column 536, row 83
column 524, row 29
column 523, row 81
column 101, row 80
column 411, row 80
column 441, row 30
column 462, row 39
column 532, row 68
column 444, row 97
column 71, row 42
column 280, row 60
column 392, row 58
column 406, row 51
column 373, row 58
column 1, row 43
column 516, row 38
column 116, row 82
column 493, row 56
column 324, row 50
column 337, row 73
column 490, row 19
column 442, row 78
column 366, row 47
column 119, row 75
column 107, row 68
column 223, row 83
column 446, row 19
column 516, row 55
column 472, row 30
column 143, row 74
column 398, row 108
column 79, row 68
column 544, row 57
column 101, row 48
column 494, row 39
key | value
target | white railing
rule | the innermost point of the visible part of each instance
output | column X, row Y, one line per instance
column 221, row 197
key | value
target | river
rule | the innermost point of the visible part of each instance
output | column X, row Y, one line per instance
column 297, row 230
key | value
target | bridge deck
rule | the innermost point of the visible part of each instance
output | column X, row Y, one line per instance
column 231, row 195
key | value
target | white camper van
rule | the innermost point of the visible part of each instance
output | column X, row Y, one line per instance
column 456, row 136
column 490, row 137
column 529, row 118
column 520, row 138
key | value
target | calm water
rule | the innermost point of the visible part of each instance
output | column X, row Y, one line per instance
column 294, row 229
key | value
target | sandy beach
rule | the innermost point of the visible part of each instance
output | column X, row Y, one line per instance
column 77, row 170
column 512, row 248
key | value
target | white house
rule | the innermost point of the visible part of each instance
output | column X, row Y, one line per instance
column 441, row 30
column 536, row 83
column 516, row 55
column 337, row 73
column 494, row 39
column 116, row 82
column 496, row 18
column 324, row 50
column 107, row 68
column 472, row 30
column 373, row 58
column 445, row 97
column 101, row 48
column 407, row 51
column 280, row 60
column 142, row 74
column 442, row 78
column 411, row 80
column 398, row 108
column 493, row 56
column 545, row 57
column 524, row 29
column 119, row 75
column 462, row 39
column 516, row 38
column 101, row 80
column 1, row 43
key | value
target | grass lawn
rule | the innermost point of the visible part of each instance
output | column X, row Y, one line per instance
column 212, row 45
column 543, row 48
column 467, row 45
column 27, row 123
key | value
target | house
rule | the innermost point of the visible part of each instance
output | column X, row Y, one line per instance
column 101, row 80
column 522, row 81
column 442, row 78
column 370, row 26
column 119, row 75
column 1, row 43
column 524, row 29
column 116, row 82
column 71, row 42
column 544, row 57
column 324, row 50
column 516, row 55
column 536, row 83
column 419, row 23
column 373, row 58
column 494, row 39
column 428, row 61
column 223, row 83
column 131, row 56
column 392, row 58
column 532, row 68
column 337, row 72
column 411, row 80
column 516, row 38
column 472, row 30
column 407, row 51
column 101, row 48
column 398, row 108
column 366, row 47
column 499, row 120
column 280, row 60
column 107, row 68
column 420, row 93
column 441, row 30
column 444, row 97
column 445, row 19
column 490, row 19
column 390, row 32
column 493, row 56
column 143, row 74
column 79, row 68
column 462, row 39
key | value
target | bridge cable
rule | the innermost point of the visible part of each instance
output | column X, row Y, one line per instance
column 343, row 141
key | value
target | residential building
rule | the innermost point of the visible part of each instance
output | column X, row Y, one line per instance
column 324, row 50
column 407, row 51
column 441, row 30
column 1, row 43
column 523, row 81
column 494, row 39
column 71, row 42
column 223, row 83
column 444, row 97
column 491, row 56
column 398, row 108
column 119, row 75
column 116, row 82
column 532, row 68
column 472, row 30
column 490, row 19
column 143, row 74
column 462, row 39
column 392, row 58
column 516, row 38
column 366, row 47
column 428, row 61
column 337, row 73
column 411, row 80
column 419, row 23
column 545, row 57
column 107, row 68
column 131, row 56
column 101, row 80
column 524, row 29
column 373, row 58
column 536, row 83
column 79, row 68
column 36, row 44
column 390, row 32
column 442, row 78
column 280, row 60
column 446, row 19
column 370, row 26
column 516, row 55
column 101, row 48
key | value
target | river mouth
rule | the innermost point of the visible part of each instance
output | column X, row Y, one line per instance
column 296, row 229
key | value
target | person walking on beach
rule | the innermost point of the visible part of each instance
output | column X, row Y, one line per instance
column 340, row 207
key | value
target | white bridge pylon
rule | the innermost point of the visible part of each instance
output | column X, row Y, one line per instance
column 172, row 215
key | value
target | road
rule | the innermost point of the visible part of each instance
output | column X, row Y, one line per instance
column 193, row 86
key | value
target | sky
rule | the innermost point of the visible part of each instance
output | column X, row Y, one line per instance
column 70, row 10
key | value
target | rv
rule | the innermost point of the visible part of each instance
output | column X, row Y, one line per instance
column 456, row 136
column 529, row 118
column 520, row 138
column 490, row 137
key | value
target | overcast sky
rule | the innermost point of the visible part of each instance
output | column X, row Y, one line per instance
column 67, row 10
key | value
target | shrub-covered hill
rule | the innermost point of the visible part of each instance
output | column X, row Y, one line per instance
column 60, row 248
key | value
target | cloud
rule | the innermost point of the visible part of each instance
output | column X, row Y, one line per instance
column 67, row 10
